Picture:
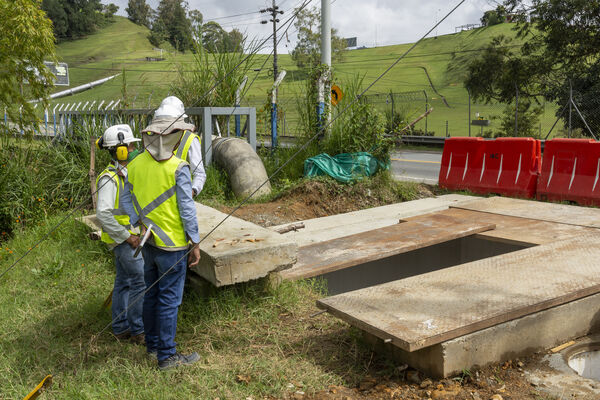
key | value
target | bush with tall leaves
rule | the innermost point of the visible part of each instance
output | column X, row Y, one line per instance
column 213, row 78
column 528, row 119
column 358, row 126
column 39, row 178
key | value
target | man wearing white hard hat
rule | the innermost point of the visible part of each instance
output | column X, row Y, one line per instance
column 116, row 216
column 161, row 192
column 170, row 117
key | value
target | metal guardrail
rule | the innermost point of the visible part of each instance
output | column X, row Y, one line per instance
column 427, row 140
column 433, row 140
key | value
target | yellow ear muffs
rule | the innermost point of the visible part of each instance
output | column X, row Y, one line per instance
column 122, row 152
column 99, row 142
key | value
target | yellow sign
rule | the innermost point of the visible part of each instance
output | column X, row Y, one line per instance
column 336, row 95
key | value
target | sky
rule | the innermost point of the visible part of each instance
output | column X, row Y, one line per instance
column 373, row 22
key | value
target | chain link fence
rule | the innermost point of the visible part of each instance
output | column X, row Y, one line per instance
column 416, row 112
column 431, row 114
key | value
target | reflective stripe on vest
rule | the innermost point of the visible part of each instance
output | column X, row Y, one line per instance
column 153, row 194
column 184, row 145
column 120, row 214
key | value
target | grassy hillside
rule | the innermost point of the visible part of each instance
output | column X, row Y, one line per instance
column 124, row 46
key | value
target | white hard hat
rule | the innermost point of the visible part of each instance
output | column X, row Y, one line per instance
column 111, row 136
column 170, row 107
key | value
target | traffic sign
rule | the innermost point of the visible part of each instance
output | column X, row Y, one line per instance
column 336, row 95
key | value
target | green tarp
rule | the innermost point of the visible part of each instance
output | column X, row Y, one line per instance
column 346, row 167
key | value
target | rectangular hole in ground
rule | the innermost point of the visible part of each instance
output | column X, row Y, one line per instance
column 416, row 262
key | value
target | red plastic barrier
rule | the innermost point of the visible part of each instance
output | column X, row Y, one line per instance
column 511, row 168
column 460, row 160
column 506, row 166
column 570, row 171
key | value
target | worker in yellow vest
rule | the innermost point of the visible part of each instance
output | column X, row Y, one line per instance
column 119, row 235
column 170, row 115
column 161, row 192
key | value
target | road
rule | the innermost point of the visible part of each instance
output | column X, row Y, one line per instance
column 416, row 166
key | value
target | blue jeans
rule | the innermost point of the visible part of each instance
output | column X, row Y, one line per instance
column 161, row 302
column 129, row 286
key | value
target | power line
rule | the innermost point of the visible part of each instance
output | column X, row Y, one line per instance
column 231, row 16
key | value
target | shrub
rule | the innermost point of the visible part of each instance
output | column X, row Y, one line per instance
column 40, row 178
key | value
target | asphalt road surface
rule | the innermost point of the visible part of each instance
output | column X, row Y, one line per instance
column 416, row 166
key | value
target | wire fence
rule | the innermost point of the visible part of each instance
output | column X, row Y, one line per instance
column 417, row 112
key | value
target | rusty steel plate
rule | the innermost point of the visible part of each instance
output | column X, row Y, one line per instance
column 542, row 211
column 427, row 309
column 332, row 255
column 514, row 230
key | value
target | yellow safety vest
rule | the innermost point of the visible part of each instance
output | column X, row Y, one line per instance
column 120, row 215
column 184, row 145
column 154, row 198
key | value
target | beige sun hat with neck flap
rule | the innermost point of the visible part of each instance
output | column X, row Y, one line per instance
column 162, row 136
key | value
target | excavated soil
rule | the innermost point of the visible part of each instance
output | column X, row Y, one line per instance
column 316, row 198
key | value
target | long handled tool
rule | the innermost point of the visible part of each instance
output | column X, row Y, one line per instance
column 146, row 236
column 108, row 302
column 43, row 385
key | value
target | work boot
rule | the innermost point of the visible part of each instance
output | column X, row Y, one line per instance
column 178, row 359
column 123, row 335
column 138, row 339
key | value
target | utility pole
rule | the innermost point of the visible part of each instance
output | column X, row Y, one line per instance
column 274, row 11
column 323, row 92
column 326, row 32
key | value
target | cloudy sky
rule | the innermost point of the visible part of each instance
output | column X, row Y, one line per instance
column 373, row 22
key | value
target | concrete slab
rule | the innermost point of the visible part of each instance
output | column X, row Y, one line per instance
column 551, row 212
column 435, row 307
column 505, row 341
column 237, row 251
column 340, row 225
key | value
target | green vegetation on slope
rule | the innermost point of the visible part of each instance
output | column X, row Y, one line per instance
column 124, row 45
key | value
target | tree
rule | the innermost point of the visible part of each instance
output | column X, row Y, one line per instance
column 494, row 17
column 26, row 40
column 158, row 33
column 139, row 12
column 172, row 24
column 196, row 19
column 56, row 12
column 74, row 18
column 307, row 52
column 561, row 49
column 215, row 39
column 212, row 36
column 110, row 10
column 233, row 41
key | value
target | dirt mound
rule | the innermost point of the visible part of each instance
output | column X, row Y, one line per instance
column 320, row 198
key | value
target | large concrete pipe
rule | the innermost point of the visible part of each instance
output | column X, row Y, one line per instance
column 245, row 168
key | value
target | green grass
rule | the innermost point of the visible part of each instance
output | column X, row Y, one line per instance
column 254, row 340
column 124, row 45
